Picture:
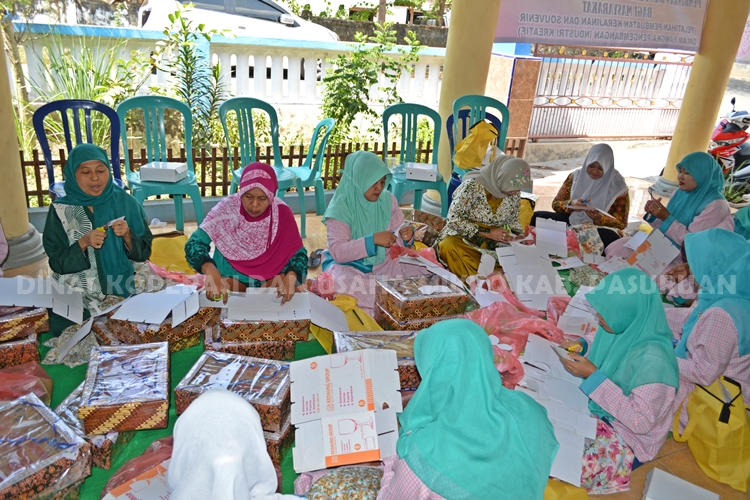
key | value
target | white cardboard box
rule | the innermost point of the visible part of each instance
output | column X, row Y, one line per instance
column 163, row 171
column 181, row 301
column 344, row 408
column 662, row 485
column 36, row 292
column 421, row 172
column 654, row 254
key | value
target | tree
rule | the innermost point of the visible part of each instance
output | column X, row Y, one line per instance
column 381, row 11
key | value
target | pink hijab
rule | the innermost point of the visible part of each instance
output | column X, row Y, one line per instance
column 258, row 247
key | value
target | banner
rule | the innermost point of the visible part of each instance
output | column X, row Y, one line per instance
column 631, row 24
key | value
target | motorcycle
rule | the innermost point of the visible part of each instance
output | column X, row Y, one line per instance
column 729, row 142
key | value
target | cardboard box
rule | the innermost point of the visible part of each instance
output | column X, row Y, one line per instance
column 18, row 352
column 266, row 349
column 103, row 334
column 173, row 336
column 662, row 485
column 400, row 341
column 277, row 443
column 421, row 172
column 105, row 448
column 126, row 388
column 264, row 383
column 32, row 464
column 233, row 331
column 149, row 485
column 428, row 296
column 388, row 322
column 36, row 292
column 344, row 408
column 164, row 171
column 23, row 323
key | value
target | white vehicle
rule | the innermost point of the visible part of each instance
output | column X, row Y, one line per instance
column 252, row 18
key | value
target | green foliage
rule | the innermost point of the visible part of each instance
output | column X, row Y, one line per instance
column 348, row 84
column 734, row 190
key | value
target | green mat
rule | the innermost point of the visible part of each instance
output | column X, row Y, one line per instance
column 66, row 379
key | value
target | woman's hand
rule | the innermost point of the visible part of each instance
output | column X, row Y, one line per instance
column 122, row 230
column 578, row 203
column 578, row 365
column 679, row 272
column 499, row 234
column 575, row 346
column 406, row 233
column 655, row 208
column 216, row 288
column 594, row 215
column 286, row 285
column 384, row 239
column 93, row 238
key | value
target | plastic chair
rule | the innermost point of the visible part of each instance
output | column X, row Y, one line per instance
column 478, row 105
column 57, row 189
column 156, row 150
column 399, row 185
column 243, row 107
column 309, row 171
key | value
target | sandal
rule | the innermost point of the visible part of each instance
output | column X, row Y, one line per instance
column 315, row 257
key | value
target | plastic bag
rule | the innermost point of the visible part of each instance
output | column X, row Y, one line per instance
column 556, row 307
column 397, row 251
column 155, row 454
column 496, row 282
column 471, row 151
column 503, row 318
column 196, row 279
column 17, row 381
column 322, row 286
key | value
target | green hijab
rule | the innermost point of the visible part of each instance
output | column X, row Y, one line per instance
column 465, row 435
column 742, row 223
column 349, row 205
column 639, row 352
column 112, row 203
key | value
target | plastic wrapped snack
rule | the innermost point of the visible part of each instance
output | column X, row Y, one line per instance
column 18, row 352
column 419, row 297
column 388, row 322
column 20, row 324
column 20, row 380
column 266, row 349
column 126, row 388
column 262, row 382
column 400, row 341
column 40, row 456
column 130, row 332
column 104, row 447
column 258, row 330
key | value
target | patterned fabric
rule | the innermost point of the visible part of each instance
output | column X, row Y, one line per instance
column 607, row 462
column 618, row 211
column 347, row 483
column 589, row 239
column 399, row 482
column 586, row 276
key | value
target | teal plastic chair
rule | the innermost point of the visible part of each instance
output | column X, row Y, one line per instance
column 477, row 107
column 243, row 107
column 156, row 150
column 410, row 114
column 309, row 171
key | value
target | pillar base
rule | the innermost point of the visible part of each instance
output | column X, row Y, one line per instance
column 429, row 205
column 25, row 249
column 664, row 188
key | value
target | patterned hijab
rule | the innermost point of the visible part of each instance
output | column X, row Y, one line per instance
column 685, row 205
column 258, row 247
column 504, row 173
column 602, row 192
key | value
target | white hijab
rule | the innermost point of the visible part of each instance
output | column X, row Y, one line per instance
column 603, row 192
column 504, row 173
column 219, row 452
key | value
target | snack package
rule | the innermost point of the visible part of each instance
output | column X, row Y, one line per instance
column 18, row 352
column 400, row 341
column 265, row 349
column 20, row 324
column 20, row 380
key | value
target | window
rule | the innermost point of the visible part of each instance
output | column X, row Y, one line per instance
column 215, row 5
column 258, row 8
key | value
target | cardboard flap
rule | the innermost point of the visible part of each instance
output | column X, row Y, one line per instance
column 153, row 308
column 37, row 292
column 326, row 315
column 262, row 304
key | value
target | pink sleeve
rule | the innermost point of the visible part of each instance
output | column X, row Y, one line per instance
column 716, row 214
column 642, row 410
column 676, row 318
column 400, row 482
column 340, row 245
column 397, row 216
column 711, row 346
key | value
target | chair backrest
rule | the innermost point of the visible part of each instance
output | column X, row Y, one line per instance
column 156, row 139
column 463, row 127
column 410, row 114
column 243, row 107
column 320, row 150
column 478, row 105
column 77, row 106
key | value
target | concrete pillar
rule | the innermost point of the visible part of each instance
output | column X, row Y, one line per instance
column 24, row 242
column 467, row 64
column 722, row 33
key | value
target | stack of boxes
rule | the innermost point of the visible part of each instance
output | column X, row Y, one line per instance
column 19, row 329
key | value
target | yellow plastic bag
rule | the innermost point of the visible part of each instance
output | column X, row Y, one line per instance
column 557, row 490
column 718, row 432
column 471, row 150
column 357, row 319
column 168, row 251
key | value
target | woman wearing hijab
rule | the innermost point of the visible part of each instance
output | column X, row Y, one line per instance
column 484, row 212
column 224, row 460
column 463, row 435
column 256, row 238
column 94, row 233
column 599, row 193
column 362, row 221
column 714, row 335
column 742, row 223
column 630, row 376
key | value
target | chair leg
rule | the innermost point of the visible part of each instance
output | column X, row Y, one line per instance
column 302, row 208
column 417, row 199
column 443, row 190
column 139, row 195
column 320, row 197
column 195, row 195
column 179, row 215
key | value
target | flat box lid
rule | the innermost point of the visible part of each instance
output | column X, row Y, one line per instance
column 165, row 165
column 420, row 166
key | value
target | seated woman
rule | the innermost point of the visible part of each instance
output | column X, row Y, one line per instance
column 630, row 377
column 439, row 455
column 362, row 220
column 484, row 212
column 714, row 335
column 94, row 233
column 256, row 238
column 742, row 222
column 697, row 205
column 595, row 188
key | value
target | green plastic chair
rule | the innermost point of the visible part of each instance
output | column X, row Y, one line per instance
column 156, row 150
column 309, row 171
column 477, row 106
column 399, row 185
column 243, row 107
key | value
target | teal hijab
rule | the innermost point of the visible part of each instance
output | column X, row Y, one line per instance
column 742, row 223
column 349, row 205
column 639, row 352
column 720, row 263
column 112, row 203
column 465, row 435
column 685, row 205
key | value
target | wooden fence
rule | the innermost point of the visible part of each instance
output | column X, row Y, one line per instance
column 213, row 166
